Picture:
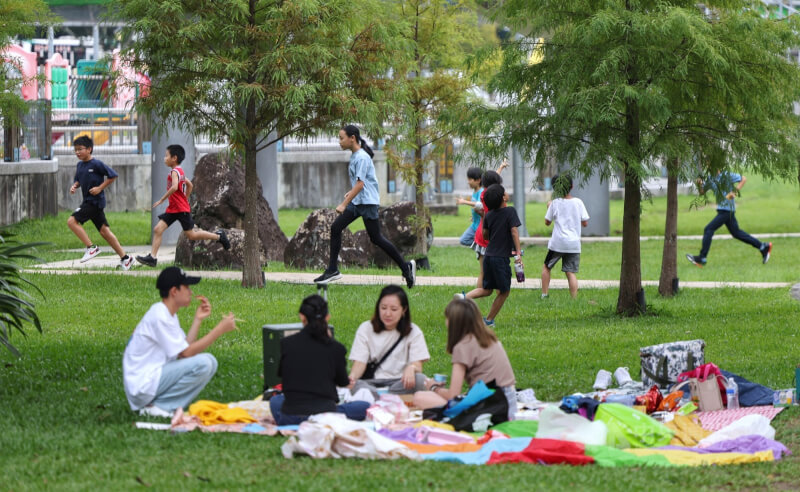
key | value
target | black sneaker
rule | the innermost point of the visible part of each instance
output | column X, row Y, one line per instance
column 765, row 253
column 411, row 274
column 147, row 260
column 328, row 276
column 223, row 239
column 696, row 260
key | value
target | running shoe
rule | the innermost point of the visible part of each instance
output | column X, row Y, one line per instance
column 765, row 253
column 488, row 322
column 147, row 260
column 411, row 274
column 125, row 263
column 460, row 296
column 696, row 260
column 603, row 380
column 90, row 253
column 223, row 239
column 328, row 276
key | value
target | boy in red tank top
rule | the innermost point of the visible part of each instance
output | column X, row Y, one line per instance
column 178, row 190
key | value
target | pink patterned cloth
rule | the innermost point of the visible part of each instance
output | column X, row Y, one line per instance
column 715, row 421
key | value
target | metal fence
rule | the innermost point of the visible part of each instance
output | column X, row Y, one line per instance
column 30, row 139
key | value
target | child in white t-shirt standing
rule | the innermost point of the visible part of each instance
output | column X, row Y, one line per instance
column 568, row 214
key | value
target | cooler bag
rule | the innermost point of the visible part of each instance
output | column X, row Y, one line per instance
column 661, row 364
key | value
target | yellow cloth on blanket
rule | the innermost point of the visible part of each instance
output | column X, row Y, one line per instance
column 211, row 412
column 677, row 457
column 687, row 429
column 433, row 423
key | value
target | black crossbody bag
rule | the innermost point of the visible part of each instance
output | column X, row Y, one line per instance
column 369, row 371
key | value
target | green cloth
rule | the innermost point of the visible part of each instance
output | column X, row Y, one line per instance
column 518, row 428
column 613, row 457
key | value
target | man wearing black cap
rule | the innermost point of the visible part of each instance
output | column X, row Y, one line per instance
column 163, row 367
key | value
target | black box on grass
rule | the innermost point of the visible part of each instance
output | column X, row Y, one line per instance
column 271, row 343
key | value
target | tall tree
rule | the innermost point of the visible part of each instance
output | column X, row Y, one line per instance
column 437, row 38
column 625, row 84
column 18, row 18
column 256, row 71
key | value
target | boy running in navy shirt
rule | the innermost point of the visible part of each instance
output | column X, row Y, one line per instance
column 178, row 190
column 92, row 177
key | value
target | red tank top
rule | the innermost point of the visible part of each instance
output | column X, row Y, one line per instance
column 177, row 201
column 479, row 233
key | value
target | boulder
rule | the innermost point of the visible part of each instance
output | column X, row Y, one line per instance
column 310, row 245
column 217, row 201
column 397, row 228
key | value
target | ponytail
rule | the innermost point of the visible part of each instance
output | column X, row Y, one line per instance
column 315, row 309
column 352, row 131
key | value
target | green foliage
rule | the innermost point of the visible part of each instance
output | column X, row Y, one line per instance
column 17, row 18
column 16, row 308
column 621, row 86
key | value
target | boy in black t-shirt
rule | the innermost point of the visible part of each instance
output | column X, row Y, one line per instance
column 92, row 177
column 500, row 227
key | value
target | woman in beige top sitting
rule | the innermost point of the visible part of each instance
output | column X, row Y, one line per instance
column 390, row 331
column 477, row 355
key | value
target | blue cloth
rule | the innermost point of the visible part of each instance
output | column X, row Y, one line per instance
column 182, row 380
column 468, row 237
column 722, row 184
column 90, row 174
column 750, row 394
column 480, row 457
column 476, row 219
column 362, row 169
column 476, row 394
column 254, row 428
column 354, row 410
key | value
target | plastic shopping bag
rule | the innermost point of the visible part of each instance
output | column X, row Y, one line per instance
column 629, row 428
column 555, row 423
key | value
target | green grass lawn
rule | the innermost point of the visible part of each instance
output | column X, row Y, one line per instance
column 66, row 423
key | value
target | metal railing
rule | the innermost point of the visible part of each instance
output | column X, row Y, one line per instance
column 30, row 139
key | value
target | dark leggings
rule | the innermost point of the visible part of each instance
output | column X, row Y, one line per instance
column 373, row 227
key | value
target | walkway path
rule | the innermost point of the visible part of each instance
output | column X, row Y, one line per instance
column 101, row 265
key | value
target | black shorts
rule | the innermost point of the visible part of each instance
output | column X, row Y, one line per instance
column 90, row 211
column 570, row 262
column 185, row 218
column 496, row 273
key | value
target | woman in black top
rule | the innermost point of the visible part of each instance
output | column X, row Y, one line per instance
column 312, row 365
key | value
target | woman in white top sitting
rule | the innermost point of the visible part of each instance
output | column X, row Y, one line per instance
column 401, row 370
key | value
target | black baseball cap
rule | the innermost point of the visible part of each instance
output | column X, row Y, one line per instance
column 174, row 277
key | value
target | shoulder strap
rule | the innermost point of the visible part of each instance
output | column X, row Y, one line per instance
column 389, row 352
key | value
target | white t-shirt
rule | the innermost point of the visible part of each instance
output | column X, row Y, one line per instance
column 157, row 339
column 370, row 346
column 566, row 214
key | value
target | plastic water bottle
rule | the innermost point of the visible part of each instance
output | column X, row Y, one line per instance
column 520, row 272
column 732, row 392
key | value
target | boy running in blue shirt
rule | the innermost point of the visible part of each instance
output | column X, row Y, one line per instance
column 474, row 180
column 92, row 177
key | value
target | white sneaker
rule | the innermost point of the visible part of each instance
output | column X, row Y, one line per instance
column 622, row 376
column 154, row 411
column 460, row 296
column 603, row 380
column 90, row 253
column 126, row 263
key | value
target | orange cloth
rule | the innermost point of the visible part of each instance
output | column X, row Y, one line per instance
column 211, row 412
column 433, row 448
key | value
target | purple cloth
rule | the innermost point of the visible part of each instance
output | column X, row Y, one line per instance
column 744, row 444
column 409, row 435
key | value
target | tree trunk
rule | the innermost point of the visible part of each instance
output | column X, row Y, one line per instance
column 669, row 256
column 630, row 280
column 421, row 248
column 251, row 272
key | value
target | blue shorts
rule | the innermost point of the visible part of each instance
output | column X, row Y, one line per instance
column 496, row 273
column 367, row 211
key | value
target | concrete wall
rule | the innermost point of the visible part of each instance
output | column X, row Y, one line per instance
column 131, row 190
column 318, row 179
column 27, row 190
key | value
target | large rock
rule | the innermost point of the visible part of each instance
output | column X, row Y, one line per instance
column 310, row 246
column 396, row 226
column 217, row 201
